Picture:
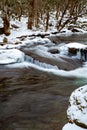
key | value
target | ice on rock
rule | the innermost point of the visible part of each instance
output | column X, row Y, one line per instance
column 10, row 56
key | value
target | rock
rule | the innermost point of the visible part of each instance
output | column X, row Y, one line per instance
column 5, row 40
column 10, row 56
column 70, row 126
column 1, row 31
column 50, row 24
column 14, row 26
column 77, row 110
column 63, row 63
column 54, row 51
column 72, row 51
column 70, row 27
column 22, row 38
column 18, row 43
column 75, row 30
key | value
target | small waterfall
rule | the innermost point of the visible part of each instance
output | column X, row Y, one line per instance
column 38, row 63
column 82, row 54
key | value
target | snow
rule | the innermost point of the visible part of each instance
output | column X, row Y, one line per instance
column 23, row 31
column 11, row 56
column 64, row 48
column 76, row 45
column 77, row 110
column 70, row 126
column 78, row 105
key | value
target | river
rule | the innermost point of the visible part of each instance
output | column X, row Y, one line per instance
column 31, row 99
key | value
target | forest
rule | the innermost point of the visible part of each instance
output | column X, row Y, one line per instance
column 37, row 11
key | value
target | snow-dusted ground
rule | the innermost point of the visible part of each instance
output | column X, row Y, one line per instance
column 23, row 31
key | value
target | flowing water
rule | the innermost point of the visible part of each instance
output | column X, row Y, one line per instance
column 31, row 99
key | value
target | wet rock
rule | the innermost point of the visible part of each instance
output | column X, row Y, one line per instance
column 72, row 51
column 64, row 63
column 54, row 51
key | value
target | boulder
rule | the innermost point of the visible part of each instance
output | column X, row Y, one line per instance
column 11, row 56
column 77, row 110
column 70, row 126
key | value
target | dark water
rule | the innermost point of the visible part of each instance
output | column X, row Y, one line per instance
column 81, row 38
column 34, row 100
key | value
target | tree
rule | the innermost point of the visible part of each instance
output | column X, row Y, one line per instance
column 6, row 17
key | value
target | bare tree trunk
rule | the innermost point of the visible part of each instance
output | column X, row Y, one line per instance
column 36, row 13
column 31, row 14
column 6, row 20
column 19, row 9
column 47, row 16
column 47, row 20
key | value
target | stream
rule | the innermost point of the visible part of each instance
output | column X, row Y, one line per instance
column 31, row 99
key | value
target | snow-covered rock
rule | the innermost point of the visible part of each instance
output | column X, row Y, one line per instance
column 77, row 110
column 74, row 49
column 75, row 45
column 70, row 126
column 10, row 56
